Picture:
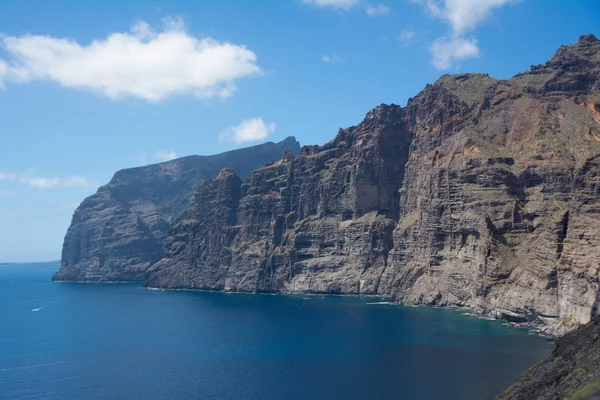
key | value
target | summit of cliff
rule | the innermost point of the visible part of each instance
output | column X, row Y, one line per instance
column 480, row 193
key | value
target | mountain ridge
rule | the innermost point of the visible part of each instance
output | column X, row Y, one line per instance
column 480, row 193
column 116, row 233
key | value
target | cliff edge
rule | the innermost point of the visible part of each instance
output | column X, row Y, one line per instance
column 480, row 193
column 117, row 233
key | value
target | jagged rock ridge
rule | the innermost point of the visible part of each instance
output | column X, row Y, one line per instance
column 117, row 233
column 480, row 193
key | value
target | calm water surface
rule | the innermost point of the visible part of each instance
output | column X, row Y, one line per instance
column 120, row 341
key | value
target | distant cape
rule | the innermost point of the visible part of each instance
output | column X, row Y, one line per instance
column 117, row 233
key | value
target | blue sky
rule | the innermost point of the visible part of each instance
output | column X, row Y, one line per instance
column 87, row 88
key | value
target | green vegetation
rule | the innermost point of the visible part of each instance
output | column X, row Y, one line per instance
column 587, row 391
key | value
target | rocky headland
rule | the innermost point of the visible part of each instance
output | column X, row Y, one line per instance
column 117, row 233
column 480, row 193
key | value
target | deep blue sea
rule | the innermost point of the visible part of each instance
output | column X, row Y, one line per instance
column 120, row 341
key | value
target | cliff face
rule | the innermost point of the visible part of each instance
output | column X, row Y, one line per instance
column 500, row 210
column 117, row 233
column 319, row 222
column 480, row 193
column 572, row 371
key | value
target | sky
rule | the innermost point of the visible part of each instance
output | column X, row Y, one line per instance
column 88, row 88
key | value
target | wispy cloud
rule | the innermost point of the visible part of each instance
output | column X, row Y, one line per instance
column 377, row 9
column 462, row 16
column 406, row 36
column 347, row 5
column 165, row 155
column 145, row 63
column 36, row 181
column 3, row 71
column 8, row 193
column 335, row 4
column 332, row 59
column 249, row 130
column 445, row 51
column 139, row 157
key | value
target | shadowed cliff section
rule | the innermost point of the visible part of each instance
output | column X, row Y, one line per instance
column 117, row 233
column 318, row 222
column 480, row 193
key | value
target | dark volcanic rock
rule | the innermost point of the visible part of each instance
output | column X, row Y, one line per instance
column 572, row 371
column 117, row 233
column 480, row 193
column 318, row 222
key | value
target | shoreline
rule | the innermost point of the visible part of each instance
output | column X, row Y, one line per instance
column 384, row 300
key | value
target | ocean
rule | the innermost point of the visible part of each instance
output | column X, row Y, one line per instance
column 121, row 341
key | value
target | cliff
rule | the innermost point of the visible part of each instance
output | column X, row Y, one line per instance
column 117, row 233
column 572, row 371
column 480, row 193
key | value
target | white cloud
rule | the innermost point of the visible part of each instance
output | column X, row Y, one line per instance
column 377, row 9
column 336, row 4
column 44, row 182
column 445, row 51
column 3, row 70
column 165, row 155
column 253, row 129
column 462, row 16
column 346, row 5
column 144, row 62
column 8, row 176
column 7, row 193
column 332, row 59
column 406, row 36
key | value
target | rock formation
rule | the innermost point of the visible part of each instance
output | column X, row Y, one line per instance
column 480, row 193
column 572, row 371
column 117, row 233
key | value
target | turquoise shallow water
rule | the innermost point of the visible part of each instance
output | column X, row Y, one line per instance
column 120, row 341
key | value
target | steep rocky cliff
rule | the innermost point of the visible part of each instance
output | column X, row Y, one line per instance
column 572, row 371
column 480, row 193
column 318, row 222
column 117, row 233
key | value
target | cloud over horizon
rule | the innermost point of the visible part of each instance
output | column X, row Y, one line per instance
column 38, row 182
column 165, row 155
column 249, row 130
column 144, row 63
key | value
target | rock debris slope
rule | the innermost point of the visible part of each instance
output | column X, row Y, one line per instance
column 117, row 233
column 480, row 193
column 572, row 371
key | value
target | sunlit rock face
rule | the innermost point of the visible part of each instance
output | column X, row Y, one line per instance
column 480, row 193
